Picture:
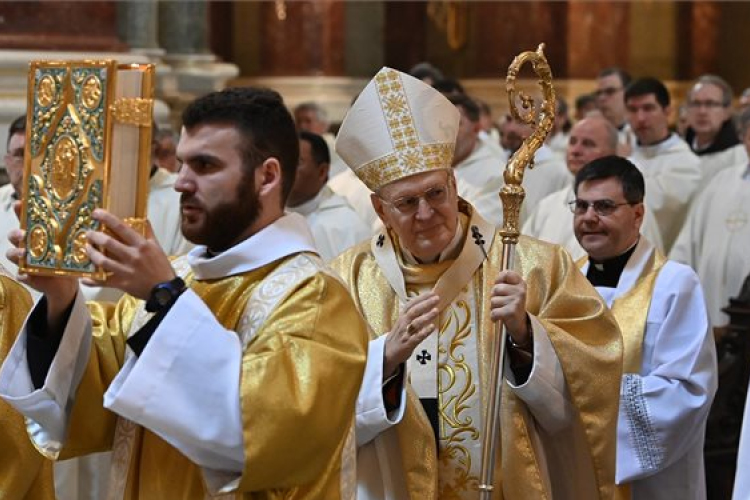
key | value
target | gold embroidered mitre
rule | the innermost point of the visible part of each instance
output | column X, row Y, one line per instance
column 397, row 127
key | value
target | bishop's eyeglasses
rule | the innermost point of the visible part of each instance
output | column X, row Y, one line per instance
column 408, row 205
column 602, row 208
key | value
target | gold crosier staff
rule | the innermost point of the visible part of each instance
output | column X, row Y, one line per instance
column 511, row 195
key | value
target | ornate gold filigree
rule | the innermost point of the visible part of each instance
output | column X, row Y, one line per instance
column 91, row 92
column 65, row 167
column 80, row 256
column 409, row 156
column 133, row 111
column 47, row 91
column 512, row 193
column 456, row 386
column 37, row 242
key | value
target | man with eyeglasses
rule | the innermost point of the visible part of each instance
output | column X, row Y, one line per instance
column 610, row 99
column 711, row 133
column 430, row 288
column 669, row 361
column 590, row 138
column 670, row 168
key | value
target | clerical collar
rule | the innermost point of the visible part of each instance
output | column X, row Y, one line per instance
column 607, row 273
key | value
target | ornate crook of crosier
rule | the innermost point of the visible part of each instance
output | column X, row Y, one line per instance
column 512, row 192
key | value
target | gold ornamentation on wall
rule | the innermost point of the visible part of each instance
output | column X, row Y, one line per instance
column 451, row 18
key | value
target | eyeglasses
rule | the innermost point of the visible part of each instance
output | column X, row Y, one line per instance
column 408, row 205
column 602, row 208
column 705, row 104
column 607, row 91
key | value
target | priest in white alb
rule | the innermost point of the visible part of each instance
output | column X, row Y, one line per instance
column 669, row 358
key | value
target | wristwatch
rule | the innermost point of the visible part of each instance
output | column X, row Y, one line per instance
column 164, row 294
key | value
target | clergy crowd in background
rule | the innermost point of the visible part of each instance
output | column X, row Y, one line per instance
column 679, row 199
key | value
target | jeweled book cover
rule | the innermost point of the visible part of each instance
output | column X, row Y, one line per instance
column 88, row 145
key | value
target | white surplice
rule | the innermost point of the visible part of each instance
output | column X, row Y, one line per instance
column 190, row 348
column 663, row 409
column 479, row 178
column 715, row 240
column 713, row 163
column 348, row 185
column 334, row 224
column 672, row 174
column 552, row 221
column 550, row 174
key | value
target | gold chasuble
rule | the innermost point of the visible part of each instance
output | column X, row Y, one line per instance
column 24, row 473
column 295, row 446
column 583, row 334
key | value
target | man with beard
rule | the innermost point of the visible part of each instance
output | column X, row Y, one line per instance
column 215, row 371
column 430, row 287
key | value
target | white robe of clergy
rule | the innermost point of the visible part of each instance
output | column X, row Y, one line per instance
column 188, row 344
column 714, row 240
column 742, row 478
column 479, row 178
column 552, row 221
column 672, row 175
column 348, row 185
column 558, row 143
column 334, row 224
column 163, row 212
column 8, row 222
column 713, row 163
column 337, row 165
column 626, row 138
column 663, row 409
column 549, row 174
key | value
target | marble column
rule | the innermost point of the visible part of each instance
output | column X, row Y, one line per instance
column 183, row 28
column 189, row 69
column 137, row 25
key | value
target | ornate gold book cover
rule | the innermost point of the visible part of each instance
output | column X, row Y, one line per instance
column 88, row 145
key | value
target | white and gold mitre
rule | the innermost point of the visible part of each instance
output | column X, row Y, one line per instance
column 397, row 127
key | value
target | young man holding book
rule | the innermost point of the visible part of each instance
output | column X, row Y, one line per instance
column 215, row 371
